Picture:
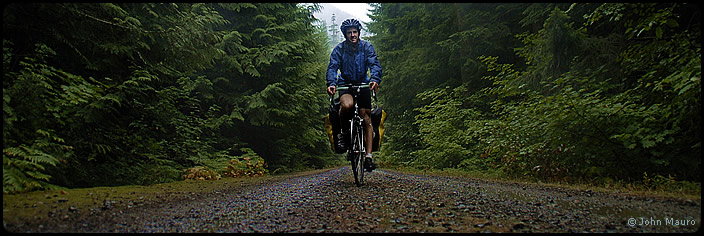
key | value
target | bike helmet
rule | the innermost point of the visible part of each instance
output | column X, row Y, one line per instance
column 350, row 23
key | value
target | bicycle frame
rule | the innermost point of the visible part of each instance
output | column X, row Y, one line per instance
column 356, row 150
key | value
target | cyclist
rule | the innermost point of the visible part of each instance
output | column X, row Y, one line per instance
column 353, row 57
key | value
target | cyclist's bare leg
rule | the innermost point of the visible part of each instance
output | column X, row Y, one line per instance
column 368, row 130
column 346, row 110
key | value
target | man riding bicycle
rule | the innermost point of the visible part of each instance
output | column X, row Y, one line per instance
column 353, row 57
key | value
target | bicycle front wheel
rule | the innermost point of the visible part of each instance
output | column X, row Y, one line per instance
column 358, row 155
column 358, row 167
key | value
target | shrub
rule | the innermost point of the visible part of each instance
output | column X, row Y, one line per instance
column 246, row 166
column 200, row 173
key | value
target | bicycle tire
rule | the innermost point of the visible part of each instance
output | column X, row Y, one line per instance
column 359, row 170
column 358, row 152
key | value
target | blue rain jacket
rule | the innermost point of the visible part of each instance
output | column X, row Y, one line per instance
column 353, row 64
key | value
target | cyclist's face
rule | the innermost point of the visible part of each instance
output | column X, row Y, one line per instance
column 352, row 35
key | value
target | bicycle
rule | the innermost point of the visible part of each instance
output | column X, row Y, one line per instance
column 356, row 150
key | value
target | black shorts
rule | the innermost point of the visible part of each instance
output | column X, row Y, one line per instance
column 364, row 98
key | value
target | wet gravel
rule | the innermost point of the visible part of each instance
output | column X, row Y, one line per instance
column 389, row 202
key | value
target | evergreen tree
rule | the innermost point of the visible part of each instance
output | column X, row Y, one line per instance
column 134, row 93
column 334, row 30
column 579, row 97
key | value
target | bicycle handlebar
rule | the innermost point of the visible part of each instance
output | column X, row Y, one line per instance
column 357, row 87
column 353, row 87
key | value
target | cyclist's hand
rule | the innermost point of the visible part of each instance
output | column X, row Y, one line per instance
column 374, row 86
column 331, row 90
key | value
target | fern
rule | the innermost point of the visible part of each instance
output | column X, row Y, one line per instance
column 144, row 90
column 11, row 178
column 22, row 168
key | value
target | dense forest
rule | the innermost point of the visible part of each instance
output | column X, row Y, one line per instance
column 552, row 91
column 134, row 93
column 106, row 94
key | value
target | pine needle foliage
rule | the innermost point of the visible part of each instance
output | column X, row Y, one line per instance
column 135, row 93
column 551, row 91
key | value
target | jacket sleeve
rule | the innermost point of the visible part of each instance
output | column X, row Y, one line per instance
column 335, row 59
column 374, row 65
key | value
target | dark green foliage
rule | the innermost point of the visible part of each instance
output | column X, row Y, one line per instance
column 102, row 94
column 280, row 57
column 428, row 46
column 584, row 91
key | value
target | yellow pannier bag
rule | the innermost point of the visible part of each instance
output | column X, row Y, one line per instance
column 329, row 131
column 378, row 117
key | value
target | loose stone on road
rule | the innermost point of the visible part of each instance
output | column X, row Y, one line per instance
column 391, row 201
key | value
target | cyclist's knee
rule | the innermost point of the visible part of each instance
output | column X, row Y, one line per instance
column 346, row 108
column 346, row 103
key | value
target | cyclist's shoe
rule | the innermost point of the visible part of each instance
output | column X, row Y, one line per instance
column 369, row 164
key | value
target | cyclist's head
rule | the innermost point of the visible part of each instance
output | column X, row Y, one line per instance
column 350, row 23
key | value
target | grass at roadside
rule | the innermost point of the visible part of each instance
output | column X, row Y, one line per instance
column 39, row 205
column 691, row 192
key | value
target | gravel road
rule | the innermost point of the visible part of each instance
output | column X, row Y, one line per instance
column 389, row 202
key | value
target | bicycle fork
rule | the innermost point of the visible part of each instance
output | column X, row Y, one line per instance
column 357, row 136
